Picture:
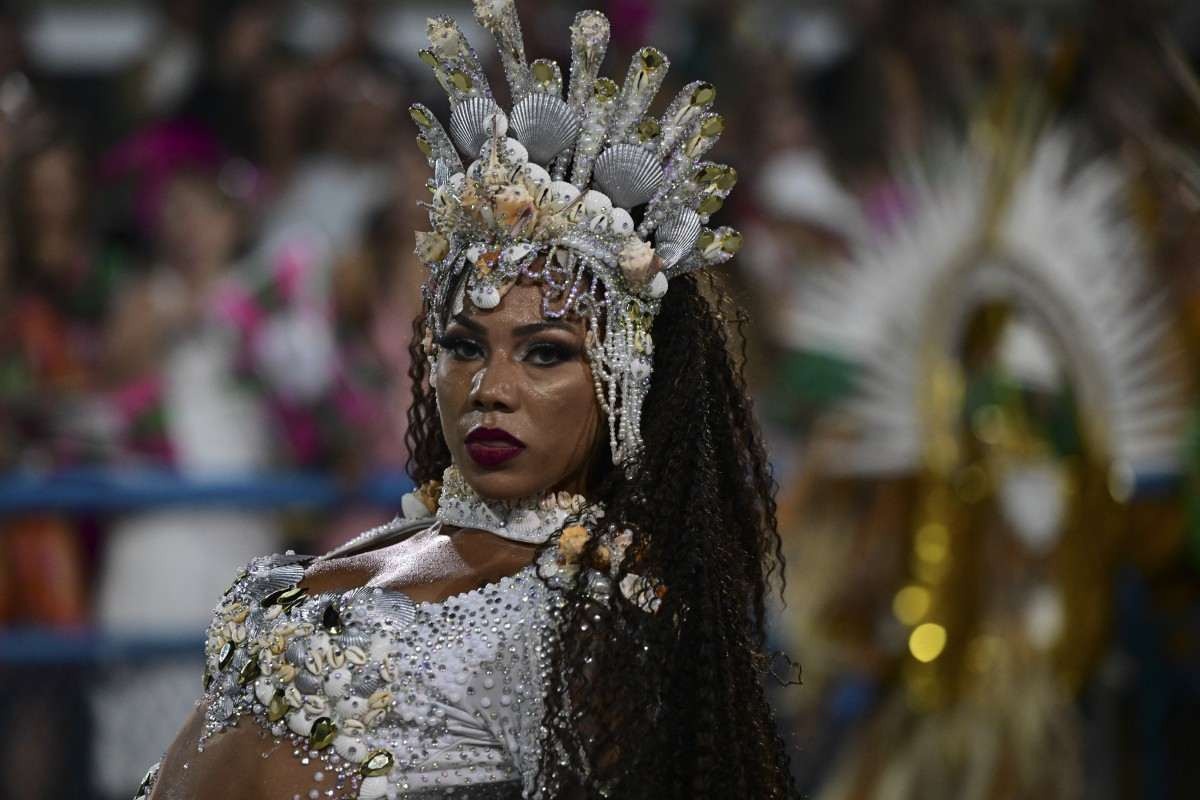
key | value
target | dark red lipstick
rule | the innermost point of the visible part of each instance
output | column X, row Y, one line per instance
column 490, row 447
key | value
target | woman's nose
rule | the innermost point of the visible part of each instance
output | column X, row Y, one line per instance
column 493, row 388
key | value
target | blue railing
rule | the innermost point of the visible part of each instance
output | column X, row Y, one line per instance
column 109, row 490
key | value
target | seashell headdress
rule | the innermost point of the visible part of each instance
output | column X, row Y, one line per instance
column 615, row 199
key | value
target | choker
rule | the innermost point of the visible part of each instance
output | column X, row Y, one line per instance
column 532, row 520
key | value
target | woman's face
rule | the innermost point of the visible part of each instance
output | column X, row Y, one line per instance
column 516, row 399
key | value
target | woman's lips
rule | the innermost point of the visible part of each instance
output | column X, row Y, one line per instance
column 490, row 447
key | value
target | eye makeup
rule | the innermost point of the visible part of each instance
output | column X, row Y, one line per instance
column 463, row 348
column 549, row 354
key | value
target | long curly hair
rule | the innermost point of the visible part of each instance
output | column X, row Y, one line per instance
column 671, row 703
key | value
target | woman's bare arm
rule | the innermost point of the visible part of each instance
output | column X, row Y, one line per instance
column 232, row 766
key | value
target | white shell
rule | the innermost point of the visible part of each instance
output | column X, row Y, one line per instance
column 562, row 194
column 468, row 126
column 412, row 507
column 300, row 723
column 373, row 788
column 640, row 366
column 628, row 174
column 264, row 690
column 350, row 748
column 516, row 252
column 658, row 286
column 537, row 174
column 545, row 124
column 320, row 641
column 457, row 182
column 621, row 221
column 600, row 223
column 596, row 202
column 475, row 169
column 474, row 252
column 315, row 706
column 337, row 682
column 484, row 297
column 535, row 179
column 677, row 236
column 351, row 706
column 514, row 151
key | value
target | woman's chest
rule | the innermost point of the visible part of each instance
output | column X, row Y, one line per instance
column 368, row 681
column 427, row 567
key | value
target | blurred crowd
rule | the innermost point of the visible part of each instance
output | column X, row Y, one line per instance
column 206, row 247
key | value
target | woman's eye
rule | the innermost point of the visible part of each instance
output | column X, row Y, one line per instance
column 460, row 348
column 546, row 354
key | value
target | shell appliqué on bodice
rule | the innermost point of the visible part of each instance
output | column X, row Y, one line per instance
column 384, row 695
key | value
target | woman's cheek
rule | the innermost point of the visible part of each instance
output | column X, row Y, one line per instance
column 566, row 410
column 562, row 391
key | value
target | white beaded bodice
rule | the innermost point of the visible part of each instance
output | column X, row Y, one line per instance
column 382, row 696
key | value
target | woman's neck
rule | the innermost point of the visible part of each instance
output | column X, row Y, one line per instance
column 531, row 520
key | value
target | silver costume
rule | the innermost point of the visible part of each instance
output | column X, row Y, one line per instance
column 384, row 696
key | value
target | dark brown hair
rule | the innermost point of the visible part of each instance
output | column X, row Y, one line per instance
column 669, row 704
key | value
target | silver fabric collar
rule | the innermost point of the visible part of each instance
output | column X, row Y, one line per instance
column 532, row 520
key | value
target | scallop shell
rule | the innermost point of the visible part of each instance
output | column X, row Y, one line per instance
column 280, row 577
column 468, row 123
column 485, row 296
column 628, row 174
column 397, row 607
column 295, row 652
column 373, row 788
column 307, row 683
column 677, row 236
column 366, row 683
column 545, row 125
column 300, row 723
column 336, row 682
column 350, row 748
column 355, row 638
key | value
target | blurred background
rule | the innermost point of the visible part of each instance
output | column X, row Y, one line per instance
column 972, row 265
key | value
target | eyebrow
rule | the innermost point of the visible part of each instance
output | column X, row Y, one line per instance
column 467, row 322
column 522, row 330
column 535, row 327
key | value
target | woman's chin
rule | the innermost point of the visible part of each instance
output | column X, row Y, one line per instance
column 501, row 484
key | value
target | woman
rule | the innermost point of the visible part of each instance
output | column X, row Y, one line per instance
column 584, row 614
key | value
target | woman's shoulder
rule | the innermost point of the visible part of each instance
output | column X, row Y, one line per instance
column 266, row 574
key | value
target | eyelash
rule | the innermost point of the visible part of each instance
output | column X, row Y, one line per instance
column 454, row 344
column 557, row 353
